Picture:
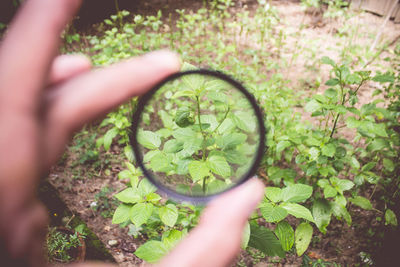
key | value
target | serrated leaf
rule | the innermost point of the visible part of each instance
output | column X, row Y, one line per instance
column 230, row 141
column 149, row 139
column 173, row 146
column 198, row 170
column 369, row 166
column 362, row 202
column 121, row 214
column 160, row 163
column 140, row 213
column 219, row 166
column 245, row 121
column 146, row 187
column 322, row 214
column 388, row 164
column 129, row 195
column 171, row 238
column 344, row 185
column 298, row 211
column 285, row 234
column 168, row 214
column 328, row 150
column 383, row 78
column 282, row 145
column 328, row 61
column 303, row 236
column 273, row 193
column 390, row 217
column 329, row 191
column 108, row 137
column 296, row 193
column 263, row 239
column 312, row 106
column 273, row 213
column 352, row 122
column 151, row 251
column 332, row 82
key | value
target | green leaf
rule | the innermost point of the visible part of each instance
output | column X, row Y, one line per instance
column 352, row 122
column 328, row 150
column 148, row 139
column 171, row 238
column 198, row 170
column 369, row 166
column 362, row 202
column 108, row 137
column 285, row 234
column 274, row 194
column 230, row 141
column 354, row 163
column 245, row 236
column 296, row 193
column 140, row 213
column 377, row 144
column 329, row 191
column 166, row 119
column 263, row 239
column 245, row 121
column 322, row 214
column 332, row 82
column 160, row 163
column 151, row 251
column 282, row 145
column 173, row 146
column 219, row 165
column 388, row 164
column 184, row 134
column 121, row 214
column 312, row 106
column 168, row 214
column 145, row 187
column 379, row 129
column 303, row 236
column 298, row 211
column 341, row 212
column 129, row 195
column 383, row 78
column 390, row 217
column 328, row 61
column 272, row 213
column 343, row 184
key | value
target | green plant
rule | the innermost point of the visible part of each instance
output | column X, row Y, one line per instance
column 60, row 245
column 318, row 167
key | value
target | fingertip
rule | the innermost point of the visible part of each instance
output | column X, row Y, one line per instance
column 164, row 59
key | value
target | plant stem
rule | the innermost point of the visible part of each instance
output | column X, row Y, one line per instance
column 226, row 115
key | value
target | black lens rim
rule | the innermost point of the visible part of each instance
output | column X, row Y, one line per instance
column 197, row 200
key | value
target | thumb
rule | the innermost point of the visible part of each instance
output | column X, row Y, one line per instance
column 216, row 240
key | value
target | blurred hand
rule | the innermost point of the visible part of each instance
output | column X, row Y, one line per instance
column 44, row 98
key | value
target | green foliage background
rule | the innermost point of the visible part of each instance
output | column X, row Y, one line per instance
column 315, row 170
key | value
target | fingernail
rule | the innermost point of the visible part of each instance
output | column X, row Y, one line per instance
column 164, row 58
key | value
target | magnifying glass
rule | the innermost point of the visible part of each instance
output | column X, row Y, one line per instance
column 196, row 134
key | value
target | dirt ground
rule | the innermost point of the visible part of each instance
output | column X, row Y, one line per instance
column 342, row 244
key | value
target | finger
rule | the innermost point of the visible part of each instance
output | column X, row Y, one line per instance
column 65, row 67
column 29, row 48
column 90, row 95
column 216, row 240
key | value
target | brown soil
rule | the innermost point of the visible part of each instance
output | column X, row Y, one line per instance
column 342, row 244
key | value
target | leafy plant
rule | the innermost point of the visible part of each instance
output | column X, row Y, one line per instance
column 60, row 245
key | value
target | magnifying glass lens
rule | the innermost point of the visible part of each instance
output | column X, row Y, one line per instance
column 198, row 135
